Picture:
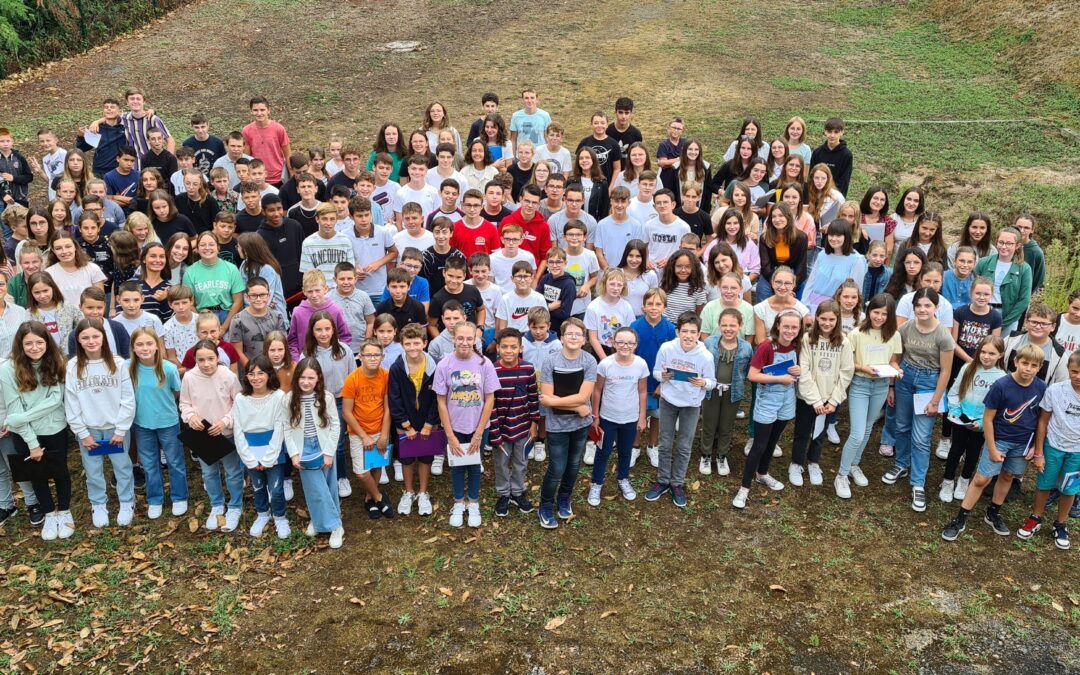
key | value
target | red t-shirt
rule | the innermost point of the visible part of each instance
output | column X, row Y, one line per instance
column 767, row 352
column 537, row 234
column 266, row 144
column 481, row 239
column 227, row 354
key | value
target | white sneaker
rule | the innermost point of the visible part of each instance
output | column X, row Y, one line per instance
column 943, row 447
column 722, row 467
column 777, row 452
column 343, row 488
column 532, row 452
column 794, row 475
column 50, row 527
column 337, row 537
column 162, row 459
column 126, row 514
column 654, row 455
column 179, row 508
column 423, row 504
column 153, row 511
column 770, row 482
column 232, row 520
column 634, row 454
column 946, row 492
column 457, row 514
column 833, row 434
column 310, row 529
column 287, row 488
column 404, row 505
column 594, row 494
column 65, row 525
column 843, row 488
column 539, row 451
column 474, row 514
column 740, row 498
column 398, row 474
column 960, row 491
column 740, row 415
column 384, row 477
column 281, row 526
column 704, row 466
column 858, row 477
column 437, row 465
column 212, row 519
column 99, row 514
column 627, row 490
column 590, row 453
column 746, row 448
column 259, row 526
column 814, row 471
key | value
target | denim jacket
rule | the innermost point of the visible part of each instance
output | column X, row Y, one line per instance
column 870, row 289
column 743, row 353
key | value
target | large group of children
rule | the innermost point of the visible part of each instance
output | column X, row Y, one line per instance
column 291, row 318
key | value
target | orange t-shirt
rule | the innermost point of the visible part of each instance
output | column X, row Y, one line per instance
column 368, row 395
column 783, row 253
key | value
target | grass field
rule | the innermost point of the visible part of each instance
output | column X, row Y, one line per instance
column 799, row 582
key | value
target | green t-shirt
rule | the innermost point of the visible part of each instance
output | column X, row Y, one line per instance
column 710, row 317
column 215, row 284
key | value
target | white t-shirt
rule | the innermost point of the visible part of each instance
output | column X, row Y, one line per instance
column 767, row 314
column 637, row 287
column 605, row 319
column 427, row 197
column 1064, row 430
column 386, row 196
column 435, row 180
column 1000, row 272
column 560, row 159
column 643, row 212
column 71, row 284
column 580, row 267
column 664, row 239
column 144, row 320
column 492, row 296
column 1067, row 335
column 944, row 312
column 180, row 337
column 403, row 240
column 514, row 309
column 502, row 267
column 619, row 402
column 367, row 250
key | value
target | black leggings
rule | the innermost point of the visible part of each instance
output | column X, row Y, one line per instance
column 765, row 438
column 967, row 444
column 946, row 425
column 54, row 467
column 805, row 417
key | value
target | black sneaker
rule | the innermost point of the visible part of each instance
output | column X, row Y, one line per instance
column 522, row 502
column 6, row 514
column 502, row 506
column 386, row 509
column 1074, row 512
column 997, row 524
column 139, row 474
column 1061, row 536
column 372, row 509
column 953, row 529
column 36, row 514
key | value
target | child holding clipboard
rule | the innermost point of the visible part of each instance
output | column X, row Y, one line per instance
column 414, row 413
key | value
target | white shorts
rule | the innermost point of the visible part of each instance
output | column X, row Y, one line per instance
column 356, row 450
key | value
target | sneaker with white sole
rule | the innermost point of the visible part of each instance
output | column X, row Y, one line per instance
column 777, row 452
column 833, row 434
column 945, row 494
column 212, row 518
column 99, row 515
column 590, row 453
column 337, row 538
column 457, row 514
column 794, row 475
column 858, row 477
column 653, row 452
column 960, row 491
column 594, row 494
column 740, row 415
column 842, row 486
column 1031, row 525
column 153, row 511
column 404, row 506
column 310, row 529
column 399, row 474
column 814, row 471
column 281, row 527
column 126, row 514
column 635, row 453
column 437, row 465
column 1061, row 536
column 943, row 447
column 740, row 498
column 259, row 526
column 384, row 477
column 748, row 446
column 50, row 527
column 344, row 489
column 539, row 451
column 232, row 520
column 475, row 519
column 627, row 490
column 918, row 499
column 423, row 504
column 161, row 457
column 532, row 452
column 179, row 508
column 704, row 466
column 65, row 525
column 894, row 474
column 287, row 488
column 722, row 468
column 770, row 482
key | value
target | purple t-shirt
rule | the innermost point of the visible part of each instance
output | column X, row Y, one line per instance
column 1016, row 408
column 465, row 384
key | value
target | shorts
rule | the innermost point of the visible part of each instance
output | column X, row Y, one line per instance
column 1058, row 463
column 1014, row 463
column 356, row 451
column 774, row 402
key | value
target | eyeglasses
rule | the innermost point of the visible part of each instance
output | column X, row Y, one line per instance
column 1039, row 324
column 574, row 334
column 258, row 296
column 624, row 343
column 783, row 284
column 511, row 240
column 371, row 356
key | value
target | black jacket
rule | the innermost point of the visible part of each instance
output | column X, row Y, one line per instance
column 201, row 215
column 285, row 243
column 599, row 205
column 21, row 175
column 796, row 258
column 404, row 403
column 839, row 161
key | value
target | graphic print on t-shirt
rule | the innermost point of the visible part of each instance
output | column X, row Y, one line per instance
column 465, row 388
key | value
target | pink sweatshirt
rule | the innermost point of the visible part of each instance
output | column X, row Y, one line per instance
column 209, row 397
column 301, row 317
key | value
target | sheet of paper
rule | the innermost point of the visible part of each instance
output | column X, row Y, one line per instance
column 885, row 371
column 819, row 425
column 91, row 138
column 921, row 399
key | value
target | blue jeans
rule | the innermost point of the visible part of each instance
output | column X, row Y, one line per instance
column 268, row 489
column 94, row 467
column 913, row 429
column 764, row 289
column 459, row 475
column 149, row 442
column 865, row 399
column 564, row 449
column 624, row 435
column 320, row 492
column 234, row 480
column 888, row 429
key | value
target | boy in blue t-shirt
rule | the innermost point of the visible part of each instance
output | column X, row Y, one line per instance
column 653, row 329
column 1009, row 424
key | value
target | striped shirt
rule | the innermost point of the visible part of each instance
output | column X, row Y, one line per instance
column 680, row 300
column 307, row 402
column 136, row 128
column 517, row 402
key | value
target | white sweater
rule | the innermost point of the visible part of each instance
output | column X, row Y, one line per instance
column 327, row 436
column 251, row 414
column 698, row 361
column 99, row 399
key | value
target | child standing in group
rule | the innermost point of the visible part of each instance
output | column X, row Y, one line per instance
column 46, row 305
column 619, row 402
column 558, row 288
column 653, row 330
column 731, row 359
column 257, row 420
column 315, row 300
column 156, row 383
column 877, row 273
column 775, row 401
column 311, row 430
column 367, row 419
column 100, row 405
column 337, row 360
column 686, row 371
column 684, row 284
column 206, row 398
column 465, row 383
column 514, row 417
column 250, row 327
column 608, row 312
column 956, row 286
column 827, row 364
column 413, row 411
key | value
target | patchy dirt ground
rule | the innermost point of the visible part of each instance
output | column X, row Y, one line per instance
column 799, row 582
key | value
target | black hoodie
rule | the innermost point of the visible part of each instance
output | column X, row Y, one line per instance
column 839, row 161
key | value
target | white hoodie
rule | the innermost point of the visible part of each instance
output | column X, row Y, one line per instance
column 251, row 415
column 99, row 399
column 698, row 360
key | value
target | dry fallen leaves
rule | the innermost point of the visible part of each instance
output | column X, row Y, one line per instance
column 555, row 623
column 778, row 588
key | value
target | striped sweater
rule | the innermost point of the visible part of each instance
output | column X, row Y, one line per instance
column 517, row 402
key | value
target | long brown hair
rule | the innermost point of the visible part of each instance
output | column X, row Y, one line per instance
column 51, row 371
column 969, row 373
column 296, row 411
column 311, row 345
column 774, row 332
column 159, row 361
column 836, row 337
column 81, row 357
column 789, row 233
column 881, row 301
column 256, row 255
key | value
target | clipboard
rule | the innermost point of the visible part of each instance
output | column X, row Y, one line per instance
column 1070, row 481
column 921, row 399
column 464, row 460
column 209, row 449
column 103, row 449
column 681, row 375
column 432, row 446
column 375, row 458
